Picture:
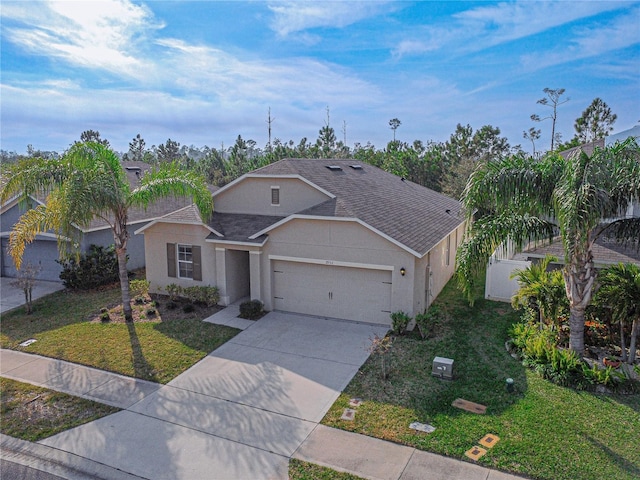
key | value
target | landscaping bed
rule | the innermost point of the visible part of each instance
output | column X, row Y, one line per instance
column 545, row 431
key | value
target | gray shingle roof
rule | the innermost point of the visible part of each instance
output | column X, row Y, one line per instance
column 239, row 227
column 604, row 252
column 411, row 214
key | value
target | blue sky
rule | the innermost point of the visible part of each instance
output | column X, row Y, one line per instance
column 204, row 72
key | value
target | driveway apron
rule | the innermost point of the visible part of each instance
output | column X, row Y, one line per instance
column 241, row 412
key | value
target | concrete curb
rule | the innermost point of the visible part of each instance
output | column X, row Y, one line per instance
column 58, row 462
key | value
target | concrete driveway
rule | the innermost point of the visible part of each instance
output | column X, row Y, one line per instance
column 240, row 412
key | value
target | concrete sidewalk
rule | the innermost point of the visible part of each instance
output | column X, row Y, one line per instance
column 86, row 382
column 360, row 455
column 244, row 410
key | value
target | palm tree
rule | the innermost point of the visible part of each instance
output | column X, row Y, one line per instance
column 524, row 199
column 89, row 183
column 541, row 289
column 620, row 290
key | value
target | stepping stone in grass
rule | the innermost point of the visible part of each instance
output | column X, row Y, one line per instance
column 355, row 402
column 469, row 406
column 475, row 452
column 489, row 440
column 422, row 427
column 349, row 414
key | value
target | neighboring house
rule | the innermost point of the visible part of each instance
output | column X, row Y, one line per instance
column 499, row 285
column 332, row 238
column 44, row 250
column 606, row 251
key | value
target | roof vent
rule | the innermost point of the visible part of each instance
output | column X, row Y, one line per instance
column 356, row 167
column 334, row 168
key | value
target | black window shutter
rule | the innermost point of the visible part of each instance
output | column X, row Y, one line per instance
column 171, row 259
column 197, row 262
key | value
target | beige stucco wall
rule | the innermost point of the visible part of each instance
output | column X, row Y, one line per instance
column 325, row 241
column 156, row 238
column 440, row 270
column 253, row 196
column 338, row 242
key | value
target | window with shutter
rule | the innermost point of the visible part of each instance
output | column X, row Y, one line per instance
column 185, row 261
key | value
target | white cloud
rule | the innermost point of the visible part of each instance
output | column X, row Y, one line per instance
column 510, row 21
column 489, row 25
column 290, row 16
column 101, row 34
column 216, row 74
column 593, row 41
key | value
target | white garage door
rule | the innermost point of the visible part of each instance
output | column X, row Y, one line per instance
column 329, row 291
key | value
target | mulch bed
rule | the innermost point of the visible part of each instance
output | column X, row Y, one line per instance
column 165, row 310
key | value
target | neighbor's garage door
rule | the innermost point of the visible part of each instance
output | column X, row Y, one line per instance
column 42, row 253
column 330, row 291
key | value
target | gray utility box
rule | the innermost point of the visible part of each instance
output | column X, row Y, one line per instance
column 442, row 368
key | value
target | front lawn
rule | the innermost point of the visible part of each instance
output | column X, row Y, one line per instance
column 545, row 431
column 33, row 413
column 67, row 326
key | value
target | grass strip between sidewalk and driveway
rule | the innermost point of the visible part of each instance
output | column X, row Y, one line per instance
column 65, row 327
column 545, row 431
column 300, row 470
column 33, row 413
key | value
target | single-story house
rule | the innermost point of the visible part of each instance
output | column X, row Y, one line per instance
column 332, row 238
column 44, row 249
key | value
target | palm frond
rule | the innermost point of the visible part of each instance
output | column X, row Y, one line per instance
column 170, row 180
column 521, row 184
column 32, row 176
column 487, row 233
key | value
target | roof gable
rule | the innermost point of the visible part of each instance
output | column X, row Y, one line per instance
column 408, row 213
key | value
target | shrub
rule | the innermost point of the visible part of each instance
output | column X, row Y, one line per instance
column 174, row 291
column 97, row 267
column 104, row 317
column 188, row 308
column 151, row 312
column 207, row 295
column 139, row 288
column 599, row 376
column 399, row 322
column 380, row 346
column 561, row 366
column 139, row 300
column 251, row 309
column 426, row 319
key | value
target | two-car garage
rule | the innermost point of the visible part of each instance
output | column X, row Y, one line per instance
column 324, row 289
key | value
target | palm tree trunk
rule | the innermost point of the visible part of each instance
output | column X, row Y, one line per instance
column 576, row 330
column 623, row 342
column 121, row 254
column 120, row 237
column 632, row 345
column 579, row 277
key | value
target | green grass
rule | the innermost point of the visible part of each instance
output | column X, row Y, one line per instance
column 33, row 413
column 545, row 431
column 299, row 470
column 155, row 350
